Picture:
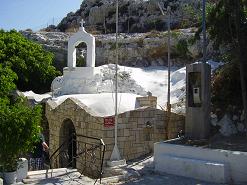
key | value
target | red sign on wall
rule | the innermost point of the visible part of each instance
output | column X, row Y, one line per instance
column 109, row 121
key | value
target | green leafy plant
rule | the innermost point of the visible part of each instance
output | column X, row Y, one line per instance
column 7, row 77
column 19, row 123
column 226, row 87
column 80, row 61
column 19, row 128
column 227, row 27
column 32, row 64
column 182, row 48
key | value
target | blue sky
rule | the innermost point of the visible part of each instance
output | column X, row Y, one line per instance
column 34, row 14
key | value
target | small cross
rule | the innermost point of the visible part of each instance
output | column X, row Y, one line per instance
column 81, row 23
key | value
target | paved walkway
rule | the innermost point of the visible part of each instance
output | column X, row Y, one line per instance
column 147, row 176
column 61, row 176
column 140, row 172
column 165, row 179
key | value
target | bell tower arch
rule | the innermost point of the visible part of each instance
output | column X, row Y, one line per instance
column 75, row 40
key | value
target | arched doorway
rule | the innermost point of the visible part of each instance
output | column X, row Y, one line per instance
column 67, row 156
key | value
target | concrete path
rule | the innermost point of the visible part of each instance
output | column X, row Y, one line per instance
column 142, row 173
column 61, row 176
column 164, row 179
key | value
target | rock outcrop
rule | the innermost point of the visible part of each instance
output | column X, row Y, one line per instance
column 139, row 49
column 135, row 16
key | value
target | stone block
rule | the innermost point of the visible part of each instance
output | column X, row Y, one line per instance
column 121, row 144
column 109, row 134
column 121, row 126
column 121, row 138
column 126, row 132
column 120, row 132
column 120, row 120
column 128, row 126
column 127, row 145
column 134, row 125
column 131, row 138
column 141, row 126
column 125, row 120
column 194, row 168
column 109, row 141
column 139, row 149
column 140, row 121
column 107, row 155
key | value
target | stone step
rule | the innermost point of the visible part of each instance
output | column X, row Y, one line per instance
column 54, row 175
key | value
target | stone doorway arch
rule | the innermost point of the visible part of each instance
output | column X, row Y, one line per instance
column 68, row 140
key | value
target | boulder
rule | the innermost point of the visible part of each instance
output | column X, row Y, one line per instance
column 227, row 126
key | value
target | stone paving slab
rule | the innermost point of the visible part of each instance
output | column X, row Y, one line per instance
column 61, row 176
column 141, row 172
column 165, row 179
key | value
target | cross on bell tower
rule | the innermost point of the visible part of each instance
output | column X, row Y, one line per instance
column 81, row 24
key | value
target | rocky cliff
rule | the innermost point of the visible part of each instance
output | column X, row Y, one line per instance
column 135, row 16
column 137, row 49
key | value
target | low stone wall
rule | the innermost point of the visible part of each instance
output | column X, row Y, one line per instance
column 176, row 123
column 213, row 165
column 138, row 130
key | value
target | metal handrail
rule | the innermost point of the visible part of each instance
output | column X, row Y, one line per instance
column 59, row 149
column 100, row 145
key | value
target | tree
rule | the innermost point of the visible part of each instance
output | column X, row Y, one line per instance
column 19, row 123
column 31, row 63
column 19, row 129
column 227, row 25
column 7, row 77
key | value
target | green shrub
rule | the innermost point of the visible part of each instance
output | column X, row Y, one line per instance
column 7, row 77
column 32, row 64
column 226, row 86
column 80, row 61
column 182, row 48
column 19, row 129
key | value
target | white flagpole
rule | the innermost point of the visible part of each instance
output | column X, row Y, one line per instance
column 115, row 156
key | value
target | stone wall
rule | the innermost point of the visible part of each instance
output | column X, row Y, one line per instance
column 84, row 123
column 176, row 123
column 138, row 130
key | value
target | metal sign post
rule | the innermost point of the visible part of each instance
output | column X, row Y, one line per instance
column 169, row 60
column 168, row 55
column 204, row 30
column 115, row 159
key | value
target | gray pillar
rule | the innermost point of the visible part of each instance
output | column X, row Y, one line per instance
column 198, row 100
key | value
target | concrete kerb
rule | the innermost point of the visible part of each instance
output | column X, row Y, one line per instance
column 231, row 164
